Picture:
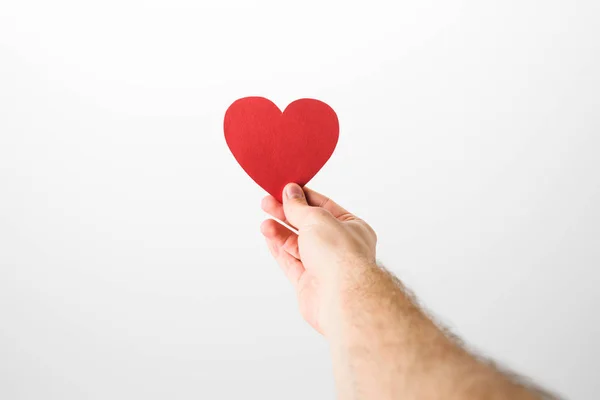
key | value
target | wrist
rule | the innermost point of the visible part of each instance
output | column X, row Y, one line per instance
column 352, row 274
column 348, row 286
column 366, row 297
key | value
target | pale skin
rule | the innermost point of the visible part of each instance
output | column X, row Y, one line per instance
column 383, row 345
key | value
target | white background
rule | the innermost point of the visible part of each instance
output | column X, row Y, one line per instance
column 131, row 263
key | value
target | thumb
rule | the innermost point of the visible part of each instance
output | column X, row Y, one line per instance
column 295, row 207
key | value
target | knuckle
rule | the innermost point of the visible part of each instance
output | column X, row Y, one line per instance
column 372, row 232
column 368, row 230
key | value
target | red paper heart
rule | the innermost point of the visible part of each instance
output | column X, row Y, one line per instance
column 277, row 148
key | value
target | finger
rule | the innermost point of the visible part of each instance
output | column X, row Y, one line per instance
column 316, row 199
column 295, row 207
column 281, row 236
column 271, row 206
column 291, row 267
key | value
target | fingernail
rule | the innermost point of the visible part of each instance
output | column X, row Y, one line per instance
column 294, row 191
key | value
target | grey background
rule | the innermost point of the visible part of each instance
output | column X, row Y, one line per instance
column 131, row 264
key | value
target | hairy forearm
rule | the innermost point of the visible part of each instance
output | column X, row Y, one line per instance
column 385, row 347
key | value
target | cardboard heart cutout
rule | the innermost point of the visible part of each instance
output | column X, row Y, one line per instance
column 277, row 148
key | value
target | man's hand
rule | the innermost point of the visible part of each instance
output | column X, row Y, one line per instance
column 319, row 260
column 383, row 346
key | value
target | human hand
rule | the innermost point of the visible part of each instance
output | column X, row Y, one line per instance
column 383, row 346
column 331, row 246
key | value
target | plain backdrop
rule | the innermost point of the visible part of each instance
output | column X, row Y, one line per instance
column 131, row 263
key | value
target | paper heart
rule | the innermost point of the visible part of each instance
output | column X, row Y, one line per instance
column 277, row 148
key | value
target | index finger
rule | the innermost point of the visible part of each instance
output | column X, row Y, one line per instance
column 317, row 199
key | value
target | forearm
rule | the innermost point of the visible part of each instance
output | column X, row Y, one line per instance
column 385, row 347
